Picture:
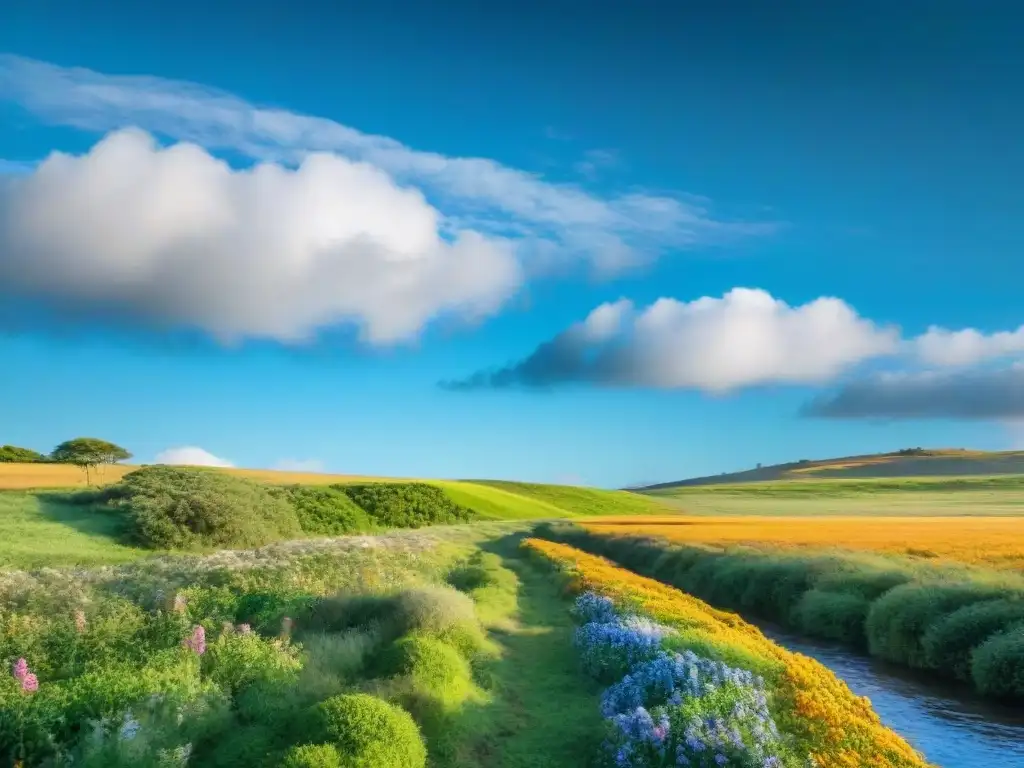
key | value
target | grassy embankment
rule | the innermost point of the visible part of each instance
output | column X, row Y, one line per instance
column 950, row 619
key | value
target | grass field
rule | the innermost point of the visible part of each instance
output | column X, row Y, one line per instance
column 990, row 541
column 927, row 496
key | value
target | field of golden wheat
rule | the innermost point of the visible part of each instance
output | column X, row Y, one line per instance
column 990, row 541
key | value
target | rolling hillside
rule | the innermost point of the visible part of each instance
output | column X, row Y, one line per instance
column 492, row 499
column 912, row 463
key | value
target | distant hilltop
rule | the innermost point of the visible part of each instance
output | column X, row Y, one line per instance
column 908, row 462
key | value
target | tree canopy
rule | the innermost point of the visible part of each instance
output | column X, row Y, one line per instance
column 19, row 455
column 88, row 452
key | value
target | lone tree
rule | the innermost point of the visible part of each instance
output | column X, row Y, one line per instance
column 88, row 452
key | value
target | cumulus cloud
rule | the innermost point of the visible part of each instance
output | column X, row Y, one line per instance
column 967, row 394
column 191, row 455
column 612, row 232
column 178, row 236
column 745, row 338
column 300, row 465
column 943, row 347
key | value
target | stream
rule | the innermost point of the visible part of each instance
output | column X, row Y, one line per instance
column 949, row 723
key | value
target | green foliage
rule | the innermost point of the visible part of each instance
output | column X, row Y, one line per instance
column 234, row 660
column 572, row 500
column 15, row 455
column 433, row 665
column 369, row 732
column 327, row 511
column 997, row 668
column 312, row 756
column 949, row 642
column 406, row 505
column 832, row 615
column 88, row 452
column 898, row 621
column 180, row 508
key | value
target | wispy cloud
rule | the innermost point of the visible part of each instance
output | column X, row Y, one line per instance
column 611, row 233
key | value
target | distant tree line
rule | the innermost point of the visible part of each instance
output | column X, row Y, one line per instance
column 85, row 452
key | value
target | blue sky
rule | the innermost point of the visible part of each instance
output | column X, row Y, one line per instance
column 450, row 257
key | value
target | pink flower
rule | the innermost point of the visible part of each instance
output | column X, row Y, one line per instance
column 196, row 641
column 30, row 683
column 244, row 629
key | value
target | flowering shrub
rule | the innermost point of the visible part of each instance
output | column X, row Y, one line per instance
column 591, row 606
column 810, row 704
column 610, row 649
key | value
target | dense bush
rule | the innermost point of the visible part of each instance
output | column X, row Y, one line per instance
column 920, row 615
column 327, row 511
column 997, row 667
column 369, row 732
column 897, row 621
column 180, row 508
column 948, row 642
column 312, row 756
column 406, row 505
column 14, row 454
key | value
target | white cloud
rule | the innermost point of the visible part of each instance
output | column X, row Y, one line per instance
column 178, row 236
column 191, row 455
column 745, row 338
column 939, row 346
column 300, row 465
column 612, row 233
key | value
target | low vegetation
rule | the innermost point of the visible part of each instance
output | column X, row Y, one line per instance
column 949, row 620
column 808, row 712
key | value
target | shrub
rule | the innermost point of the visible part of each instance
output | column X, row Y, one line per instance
column 406, row 505
column 235, row 659
column 312, row 756
column 949, row 642
column 997, row 667
column 442, row 612
column 369, row 732
column 434, row 667
column 897, row 622
column 348, row 611
column 177, row 508
column 832, row 615
column 327, row 511
column 16, row 455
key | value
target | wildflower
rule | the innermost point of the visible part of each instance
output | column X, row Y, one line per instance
column 244, row 629
column 196, row 641
column 80, row 621
column 20, row 671
column 179, row 603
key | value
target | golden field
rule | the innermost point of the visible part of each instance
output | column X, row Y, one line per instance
column 25, row 476
column 990, row 541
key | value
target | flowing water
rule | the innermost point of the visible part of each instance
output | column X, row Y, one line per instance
column 951, row 725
